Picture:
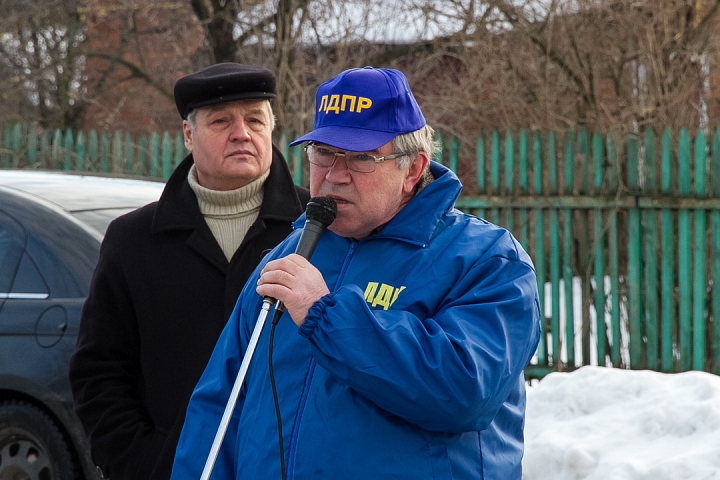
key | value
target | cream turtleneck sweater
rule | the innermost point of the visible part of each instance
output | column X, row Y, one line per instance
column 231, row 213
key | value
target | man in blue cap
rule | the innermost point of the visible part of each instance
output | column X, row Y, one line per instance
column 402, row 349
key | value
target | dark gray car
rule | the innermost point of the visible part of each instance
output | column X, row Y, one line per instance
column 51, row 227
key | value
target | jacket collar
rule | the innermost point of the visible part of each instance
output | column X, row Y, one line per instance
column 178, row 207
column 418, row 220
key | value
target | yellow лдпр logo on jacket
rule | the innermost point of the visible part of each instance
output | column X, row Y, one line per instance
column 381, row 294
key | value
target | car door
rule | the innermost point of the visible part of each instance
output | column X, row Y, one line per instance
column 46, row 260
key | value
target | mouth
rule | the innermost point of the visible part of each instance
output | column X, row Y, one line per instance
column 237, row 153
column 339, row 200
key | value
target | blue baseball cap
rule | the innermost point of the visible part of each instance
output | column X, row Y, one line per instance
column 363, row 109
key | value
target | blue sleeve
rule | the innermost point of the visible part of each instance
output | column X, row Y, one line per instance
column 450, row 372
column 206, row 409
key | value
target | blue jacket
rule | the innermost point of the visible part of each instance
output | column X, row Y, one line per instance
column 412, row 367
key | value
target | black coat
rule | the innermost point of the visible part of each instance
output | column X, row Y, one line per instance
column 160, row 296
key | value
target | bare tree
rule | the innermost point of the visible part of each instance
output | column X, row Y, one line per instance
column 626, row 62
column 41, row 62
column 474, row 65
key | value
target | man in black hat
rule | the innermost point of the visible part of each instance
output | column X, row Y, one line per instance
column 169, row 273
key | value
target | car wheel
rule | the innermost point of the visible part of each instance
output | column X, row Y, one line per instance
column 32, row 447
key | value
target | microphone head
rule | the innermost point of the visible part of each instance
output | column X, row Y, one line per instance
column 322, row 210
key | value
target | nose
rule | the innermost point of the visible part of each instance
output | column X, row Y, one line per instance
column 240, row 131
column 338, row 173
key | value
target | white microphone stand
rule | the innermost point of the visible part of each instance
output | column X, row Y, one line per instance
column 232, row 401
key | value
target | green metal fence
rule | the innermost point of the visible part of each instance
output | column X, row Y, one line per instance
column 624, row 232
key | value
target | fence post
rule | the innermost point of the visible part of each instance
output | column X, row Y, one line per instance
column 6, row 156
column 583, row 256
column 17, row 137
column 453, row 153
column 634, row 277
column 598, row 155
column 154, row 154
column 68, row 149
column 651, row 242
column 45, row 148
column 684, row 285
column 105, row 152
column 614, row 254
column 509, row 189
column 129, row 153
column 524, row 186
column 297, row 162
column 667, row 248
column 92, row 151
column 568, row 250
column 538, row 174
column 166, row 155
column 32, row 146
column 56, row 149
column 715, row 255
column 554, row 251
column 142, row 153
column 699, row 277
column 495, row 173
column 80, row 152
column 117, row 152
column 480, row 158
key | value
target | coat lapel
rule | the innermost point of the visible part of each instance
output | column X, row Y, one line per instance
column 178, row 211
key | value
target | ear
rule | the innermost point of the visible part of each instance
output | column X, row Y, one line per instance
column 187, row 135
column 417, row 167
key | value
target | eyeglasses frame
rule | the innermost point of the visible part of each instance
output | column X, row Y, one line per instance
column 376, row 160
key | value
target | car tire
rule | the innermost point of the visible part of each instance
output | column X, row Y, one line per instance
column 32, row 446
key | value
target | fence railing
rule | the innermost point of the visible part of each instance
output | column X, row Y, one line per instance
column 624, row 232
column 117, row 152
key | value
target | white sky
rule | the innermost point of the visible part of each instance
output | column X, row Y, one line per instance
column 392, row 21
column 599, row 423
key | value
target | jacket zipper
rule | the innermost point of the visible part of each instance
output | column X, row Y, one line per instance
column 311, row 370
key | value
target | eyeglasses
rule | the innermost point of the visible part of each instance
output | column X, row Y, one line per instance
column 361, row 162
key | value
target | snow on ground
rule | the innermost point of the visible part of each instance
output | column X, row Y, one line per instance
column 601, row 423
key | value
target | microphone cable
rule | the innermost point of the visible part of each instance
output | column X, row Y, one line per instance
column 320, row 213
column 276, row 317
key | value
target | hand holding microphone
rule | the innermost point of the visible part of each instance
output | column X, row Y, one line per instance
column 293, row 280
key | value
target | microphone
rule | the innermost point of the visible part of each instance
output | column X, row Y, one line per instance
column 319, row 214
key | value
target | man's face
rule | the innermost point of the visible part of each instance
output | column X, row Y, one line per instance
column 231, row 143
column 366, row 200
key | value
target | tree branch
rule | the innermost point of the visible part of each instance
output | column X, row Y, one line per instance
column 136, row 72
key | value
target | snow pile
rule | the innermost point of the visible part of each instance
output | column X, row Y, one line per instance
column 610, row 424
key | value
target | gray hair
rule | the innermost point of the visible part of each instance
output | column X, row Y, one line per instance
column 422, row 140
column 193, row 113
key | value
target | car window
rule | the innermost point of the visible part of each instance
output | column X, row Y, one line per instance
column 100, row 219
column 12, row 245
column 66, row 254
column 29, row 280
